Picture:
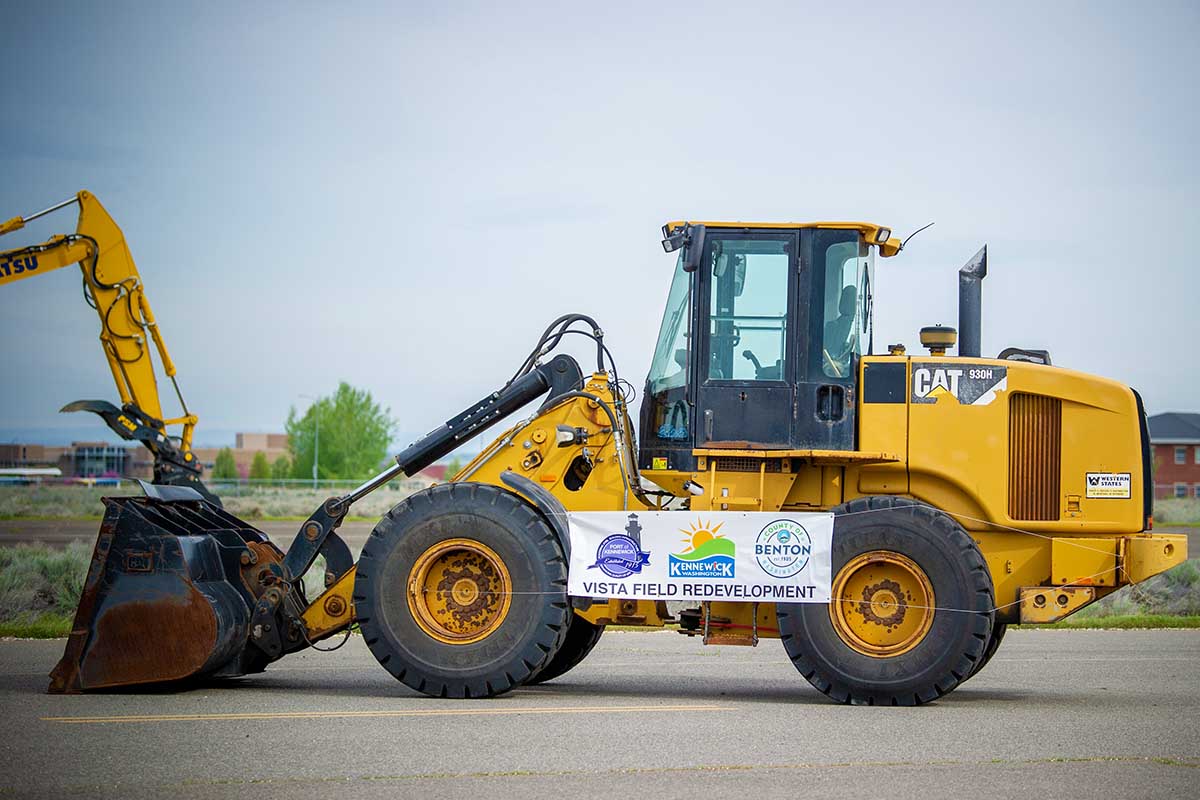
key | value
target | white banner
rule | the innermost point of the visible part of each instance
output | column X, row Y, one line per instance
column 689, row 555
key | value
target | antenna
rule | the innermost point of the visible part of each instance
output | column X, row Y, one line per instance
column 911, row 235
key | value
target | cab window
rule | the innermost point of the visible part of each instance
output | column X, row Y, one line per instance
column 748, row 303
column 842, row 261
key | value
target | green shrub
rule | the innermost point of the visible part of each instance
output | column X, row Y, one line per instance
column 1177, row 510
column 260, row 468
column 281, row 469
column 36, row 580
column 224, row 468
column 1174, row 592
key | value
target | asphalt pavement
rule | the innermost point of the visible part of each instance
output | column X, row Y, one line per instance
column 1057, row 713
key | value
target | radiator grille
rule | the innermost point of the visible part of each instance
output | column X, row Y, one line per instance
column 1034, row 456
column 742, row 464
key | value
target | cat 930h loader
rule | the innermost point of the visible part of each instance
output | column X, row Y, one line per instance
column 884, row 516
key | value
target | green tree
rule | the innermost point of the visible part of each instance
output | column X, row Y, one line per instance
column 281, row 469
column 225, row 467
column 260, row 469
column 453, row 468
column 354, row 434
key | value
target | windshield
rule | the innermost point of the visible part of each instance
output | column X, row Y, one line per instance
column 669, row 367
column 665, row 411
column 847, row 265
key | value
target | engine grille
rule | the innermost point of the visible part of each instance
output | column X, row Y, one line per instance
column 1034, row 457
column 741, row 464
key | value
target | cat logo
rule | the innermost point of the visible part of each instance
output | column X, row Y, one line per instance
column 971, row 384
column 926, row 381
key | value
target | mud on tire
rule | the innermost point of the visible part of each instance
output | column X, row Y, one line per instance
column 520, row 640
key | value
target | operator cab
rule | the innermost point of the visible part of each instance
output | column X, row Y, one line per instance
column 760, row 340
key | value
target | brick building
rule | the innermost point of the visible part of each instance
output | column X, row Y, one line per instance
column 30, row 456
column 1175, row 440
column 272, row 445
column 80, row 459
column 100, row 459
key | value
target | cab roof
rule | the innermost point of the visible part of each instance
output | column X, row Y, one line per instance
column 879, row 235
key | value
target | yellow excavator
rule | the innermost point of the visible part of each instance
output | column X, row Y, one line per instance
column 113, row 287
column 885, row 516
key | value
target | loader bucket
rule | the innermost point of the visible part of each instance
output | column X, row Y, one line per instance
column 165, row 597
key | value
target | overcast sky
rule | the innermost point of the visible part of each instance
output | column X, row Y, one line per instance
column 402, row 196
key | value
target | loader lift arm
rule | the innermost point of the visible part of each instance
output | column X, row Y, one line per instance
column 240, row 598
column 113, row 287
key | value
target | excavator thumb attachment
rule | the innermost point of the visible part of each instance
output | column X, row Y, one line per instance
column 168, row 594
column 172, row 467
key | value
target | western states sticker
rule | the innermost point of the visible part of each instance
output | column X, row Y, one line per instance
column 969, row 385
column 1109, row 485
column 685, row 555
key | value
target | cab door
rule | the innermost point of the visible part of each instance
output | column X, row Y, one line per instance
column 835, row 287
column 745, row 364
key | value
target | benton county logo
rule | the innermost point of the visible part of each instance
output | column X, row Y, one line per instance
column 706, row 556
column 621, row 555
column 783, row 548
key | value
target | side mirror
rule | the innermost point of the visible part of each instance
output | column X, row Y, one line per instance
column 673, row 241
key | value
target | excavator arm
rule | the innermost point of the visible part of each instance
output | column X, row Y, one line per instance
column 113, row 287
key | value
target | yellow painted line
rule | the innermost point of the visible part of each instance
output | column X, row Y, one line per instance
column 438, row 712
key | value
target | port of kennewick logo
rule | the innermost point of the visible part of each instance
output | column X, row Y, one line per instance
column 619, row 556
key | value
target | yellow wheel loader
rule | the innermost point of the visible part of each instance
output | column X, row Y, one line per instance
column 884, row 516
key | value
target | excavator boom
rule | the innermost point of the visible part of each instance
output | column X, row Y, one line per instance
column 113, row 287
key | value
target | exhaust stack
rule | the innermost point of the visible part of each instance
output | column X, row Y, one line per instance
column 970, row 302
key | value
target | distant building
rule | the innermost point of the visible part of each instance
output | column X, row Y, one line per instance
column 81, row 459
column 101, row 459
column 98, row 459
column 17, row 456
column 434, row 473
column 1175, row 440
column 272, row 445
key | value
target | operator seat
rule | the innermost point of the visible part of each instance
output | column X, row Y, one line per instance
column 837, row 331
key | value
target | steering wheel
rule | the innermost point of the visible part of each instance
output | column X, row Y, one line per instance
column 762, row 373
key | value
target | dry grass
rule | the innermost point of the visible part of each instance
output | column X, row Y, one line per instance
column 36, row 580
column 1177, row 511
column 250, row 503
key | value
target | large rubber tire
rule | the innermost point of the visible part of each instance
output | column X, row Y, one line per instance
column 993, row 644
column 958, row 632
column 524, row 638
column 581, row 637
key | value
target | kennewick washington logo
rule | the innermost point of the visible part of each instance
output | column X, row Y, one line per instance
column 708, row 555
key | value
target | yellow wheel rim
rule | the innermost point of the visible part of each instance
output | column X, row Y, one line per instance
column 459, row 591
column 882, row 604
